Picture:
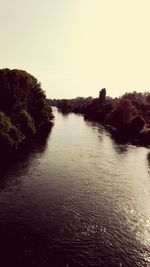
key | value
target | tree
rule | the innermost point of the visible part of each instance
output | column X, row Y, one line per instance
column 23, row 104
column 102, row 95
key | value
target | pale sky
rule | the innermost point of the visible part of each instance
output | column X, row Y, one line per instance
column 77, row 47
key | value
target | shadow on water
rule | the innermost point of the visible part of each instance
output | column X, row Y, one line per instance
column 20, row 243
column 120, row 144
column 117, row 137
column 18, row 161
column 121, row 148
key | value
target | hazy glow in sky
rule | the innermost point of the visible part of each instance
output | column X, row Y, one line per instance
column 76, row 47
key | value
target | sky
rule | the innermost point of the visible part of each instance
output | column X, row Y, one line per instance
column 76, row 47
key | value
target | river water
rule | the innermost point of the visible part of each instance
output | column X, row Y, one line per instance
column 76, row 199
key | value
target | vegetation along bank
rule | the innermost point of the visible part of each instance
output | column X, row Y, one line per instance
column 127, row 117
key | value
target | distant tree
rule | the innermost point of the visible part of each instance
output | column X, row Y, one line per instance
column 63, row 104
column 102, row 95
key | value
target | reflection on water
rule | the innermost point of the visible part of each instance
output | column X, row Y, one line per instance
column 64, row 113
column 79, row 199
column 20, row 161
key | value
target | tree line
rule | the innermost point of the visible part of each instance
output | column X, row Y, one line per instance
column 127, row 117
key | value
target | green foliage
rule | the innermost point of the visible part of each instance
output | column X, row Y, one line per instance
column 10, row 136
column 24, row 104
column 5, row 123
column 21, row 91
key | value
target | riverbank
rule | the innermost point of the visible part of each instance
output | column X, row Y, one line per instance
column 127, row 117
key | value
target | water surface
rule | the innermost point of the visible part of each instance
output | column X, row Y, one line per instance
column 77, row 199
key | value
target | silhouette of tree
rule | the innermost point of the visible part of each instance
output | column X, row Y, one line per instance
column 102, row 95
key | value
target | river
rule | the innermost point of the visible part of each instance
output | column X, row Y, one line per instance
column 76, row 199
